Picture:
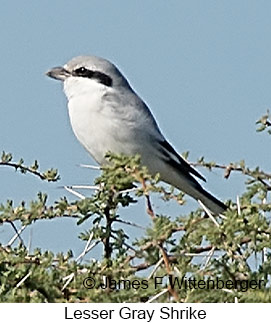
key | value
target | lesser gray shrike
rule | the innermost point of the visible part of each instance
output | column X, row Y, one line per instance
column 107, row 115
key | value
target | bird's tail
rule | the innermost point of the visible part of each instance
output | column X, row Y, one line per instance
column 191, row 187
column 211, row 202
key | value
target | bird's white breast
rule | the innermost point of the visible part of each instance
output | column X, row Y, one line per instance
column 98, row 123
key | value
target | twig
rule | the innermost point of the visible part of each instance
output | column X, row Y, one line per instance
column 166, row 260
column 192, row 254
column 106, row 241
column 171, row 289
column 174, row 259
column 30, row 240
column 125, row 243
column 130, row 223
column 208, row 213
column 128, row 190
column 149, row 207
column 222, row 216
column 227, row 290
column 90, row 166
column 164, row 291
column 25, row 169
column 148, row 200
column 162, row 238
column 231, row 167
column 23, row 279
column 13, row 239
column 208, row 258
column 81, row 196
column 158, row 264
column 238, row 205
column 69, row 278
column 84, row 187
column 16, row 231
column 82, row 254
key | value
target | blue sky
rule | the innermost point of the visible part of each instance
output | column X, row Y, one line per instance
column 203, row 67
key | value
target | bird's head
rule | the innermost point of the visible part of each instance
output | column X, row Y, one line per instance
column 86, row 74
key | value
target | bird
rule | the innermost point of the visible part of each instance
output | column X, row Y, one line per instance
column 107, row 115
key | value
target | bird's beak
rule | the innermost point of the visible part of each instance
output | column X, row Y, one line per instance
column 58, row 73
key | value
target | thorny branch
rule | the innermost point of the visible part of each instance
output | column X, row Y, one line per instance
column 162, row 250
column 174, row 259
column 256, row 174
column 49, row 175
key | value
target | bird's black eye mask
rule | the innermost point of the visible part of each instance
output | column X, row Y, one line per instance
column 99, row 76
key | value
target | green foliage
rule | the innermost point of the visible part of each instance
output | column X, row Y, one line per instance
column 264, row 123
column 50, row 175
column 177, row 258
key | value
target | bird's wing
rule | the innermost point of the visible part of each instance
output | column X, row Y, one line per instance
column 175, row 160
column 170, row 155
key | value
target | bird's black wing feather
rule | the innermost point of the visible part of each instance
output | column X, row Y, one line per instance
column 175, row 160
